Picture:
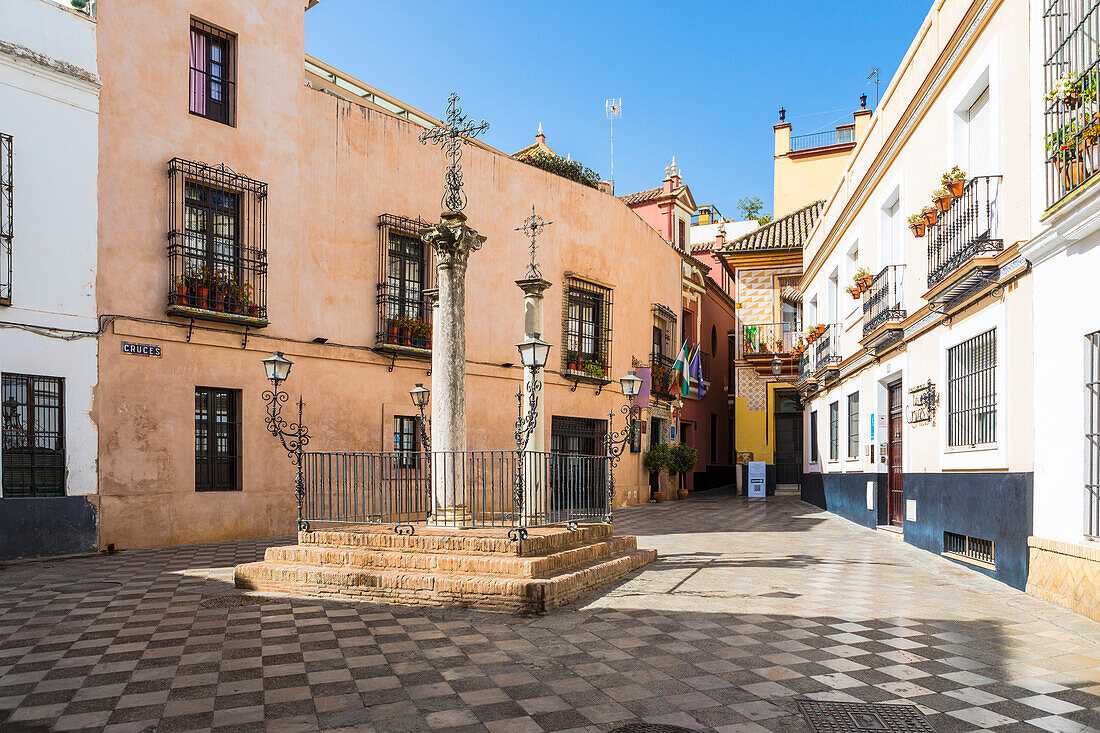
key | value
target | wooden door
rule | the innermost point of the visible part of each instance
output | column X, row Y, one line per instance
column 894, row 491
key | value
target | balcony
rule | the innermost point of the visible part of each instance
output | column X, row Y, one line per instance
column 970, row 227
column 760, row 343
column 882, row 307
column 404, row 324
column 843, row 135
column 826, row 352
column 407, row 274
column 661, row 382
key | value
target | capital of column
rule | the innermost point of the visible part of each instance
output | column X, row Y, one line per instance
column 452, row 241
column 533, row 286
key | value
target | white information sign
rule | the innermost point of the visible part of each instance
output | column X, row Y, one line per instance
column 757, row 478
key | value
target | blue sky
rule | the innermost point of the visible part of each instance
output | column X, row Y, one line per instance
column 701, row 81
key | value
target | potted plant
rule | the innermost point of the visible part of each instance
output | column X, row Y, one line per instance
column 1070, row 90
column 201, row 282
column 942, row 198
column 929, row 214
column 572, row 361
column 820, row 328
column 595, row 369
column 1065, row 148
column 917, row 225
column 954, row 181
column 180, row 286
column 811, row 334
column 682, row 459
column 854, row 291
column 420, row 333
column 661, row 377
column 656, row 460
column 863, row 277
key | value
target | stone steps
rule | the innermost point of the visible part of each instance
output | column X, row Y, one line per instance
column 540, row 540
column 457, row 563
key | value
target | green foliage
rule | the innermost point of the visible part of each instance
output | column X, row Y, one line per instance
column 595, row 369
column 682, row 459
column 753, row 208
column 570, row 169
column 658, row 457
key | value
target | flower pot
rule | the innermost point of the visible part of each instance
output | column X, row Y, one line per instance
column 202, row 297
column 681, row 493
column 253, row 311
column 855, row 294
column 956, row 187
column 918, row 229
column 929, row 214
column 1073, row 173
column 1071, row 100
column 866, row 281
column 943, row 203
column 658, row 496
column 180, row 296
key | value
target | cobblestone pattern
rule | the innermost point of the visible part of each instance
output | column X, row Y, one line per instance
column 750, row 606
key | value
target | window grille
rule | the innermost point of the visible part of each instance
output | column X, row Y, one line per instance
column 974, row 548
column 404, row 440
column 586, row 320
column 834, row 431
column 7, row 211
column 406, row 270
column 1092, row 434
column 212, row 89
column 972, row 391
column 217, row 439
column 661, row 359
column 33, row 436
column 853, row 425
column 813, row 437
column 1071, row 70
column 217, row 244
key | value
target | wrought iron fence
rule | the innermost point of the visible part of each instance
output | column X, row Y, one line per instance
column 804, row 365
column 1092, row 434
column 768, row 338
column 827, row 348
column 971, row 225
column 882, row 303
column 839, row 136
column 468, row 489
column 661, row 381
column 1071, row 81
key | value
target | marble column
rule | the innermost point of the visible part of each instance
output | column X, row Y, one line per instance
column 453, row 242
column 536, row 479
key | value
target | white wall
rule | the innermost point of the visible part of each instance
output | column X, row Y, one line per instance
column 51, row 112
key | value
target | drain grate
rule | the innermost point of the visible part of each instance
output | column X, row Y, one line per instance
column 231, row 601
column 847, row 717
column 86, row 587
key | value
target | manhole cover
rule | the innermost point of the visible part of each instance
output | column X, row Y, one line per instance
column 848, row 717
column 652, row 728
column 231, row 601
column 86, row 587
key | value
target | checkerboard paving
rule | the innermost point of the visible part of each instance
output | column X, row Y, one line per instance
column 750, row 606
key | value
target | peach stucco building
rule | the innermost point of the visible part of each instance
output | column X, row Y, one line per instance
column 304, row 190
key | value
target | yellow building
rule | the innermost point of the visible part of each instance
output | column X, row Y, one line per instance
column 807, row 167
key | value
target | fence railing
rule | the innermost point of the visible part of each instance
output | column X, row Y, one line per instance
column 661, row 381
column 468, row 489
column 827, row 348
column 882, row 303
column 838, row 136
column 971, row 225
column 768, row 338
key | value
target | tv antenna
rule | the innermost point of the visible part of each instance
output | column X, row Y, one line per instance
column 614, row 110
column 874, row 75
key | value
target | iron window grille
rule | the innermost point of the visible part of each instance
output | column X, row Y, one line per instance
column 972, row 391
column 212, row 89
column 853, row 425
column 586, row 326
column 217, row 244
column 661, row 361
column 404, row 441
column 217, row 439
column 970, row 227
column 32, row 415
column 406, row 271
column 1071, row 80
column 813, row 437
column 883, row 301
column 834, row 431
column 7, row 212
column 827, row 348
column 973, row 548
column 1092, row 434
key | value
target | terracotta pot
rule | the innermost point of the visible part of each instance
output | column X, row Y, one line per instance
column 254, row 311
column 943, row 203
column 866, row 281
column 681, row 493
column 918, row 229
column 202, row 297
column 1073, row 173
column 855, row 294
column 181, row 295
column 1072, row 100
column 929, row 213
column 658, row 496
column 956, row 187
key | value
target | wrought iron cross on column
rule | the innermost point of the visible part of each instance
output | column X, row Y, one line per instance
column 532, row 225
column 450, row 136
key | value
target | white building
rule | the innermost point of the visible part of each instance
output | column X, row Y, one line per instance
column 1065, row 256
column 49, row 108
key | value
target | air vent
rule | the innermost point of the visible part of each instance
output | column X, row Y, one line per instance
column 968, row 548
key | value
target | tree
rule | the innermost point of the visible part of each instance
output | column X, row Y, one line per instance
column 570, row 169
column 752, row 208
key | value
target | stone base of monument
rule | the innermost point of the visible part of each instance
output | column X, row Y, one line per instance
column 436, row 566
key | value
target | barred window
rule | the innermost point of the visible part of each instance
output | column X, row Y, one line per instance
column 1092, row 434
column 972, row 391
column 404, row 440
column 813, row 437
column 33, row 435
column 587, row 329
column 217, row 244
column 217, row 439
column 7, row 211
column 212, row 91
column 406, row 270
column 853, row 425
column 834, row 431
column 661, row 361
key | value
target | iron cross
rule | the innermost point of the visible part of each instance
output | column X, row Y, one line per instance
column 532, row 225
column 450, row 136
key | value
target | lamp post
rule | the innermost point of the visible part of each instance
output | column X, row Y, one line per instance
column 420, row 396
column 295, row 436
column 533, row 352
column 618, row 440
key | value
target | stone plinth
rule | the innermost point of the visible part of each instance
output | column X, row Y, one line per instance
column 480, row 569
column 1065, row 573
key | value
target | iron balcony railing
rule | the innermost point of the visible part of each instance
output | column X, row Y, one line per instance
column 804, row 362
column 827, row 348
column 768, row 338
column 839, row 136
column 1071, row 82
column 661, row 375
column 403, row 321
column 882, row 303
column 704, row 365
column 455, row 488
column 970, row 226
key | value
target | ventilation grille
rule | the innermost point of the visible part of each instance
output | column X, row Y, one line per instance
column 972, row 548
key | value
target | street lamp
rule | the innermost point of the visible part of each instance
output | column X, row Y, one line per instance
column 777, row 366
column 617, row 440
column 533, row 351
column 420, row 396
column 295, row 436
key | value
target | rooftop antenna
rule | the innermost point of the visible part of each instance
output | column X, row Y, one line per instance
column 874, row 75
column 614, row 110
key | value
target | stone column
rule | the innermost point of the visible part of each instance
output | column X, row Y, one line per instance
column 536, row 478
column 453, row 242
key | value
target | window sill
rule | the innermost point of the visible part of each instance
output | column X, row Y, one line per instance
column 980, row 448
column 413, row 351
column 584, row 376
column 185, row 311
column 970, row 561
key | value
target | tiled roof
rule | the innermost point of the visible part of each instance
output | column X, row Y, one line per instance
column 642, row 197
column 787, row 233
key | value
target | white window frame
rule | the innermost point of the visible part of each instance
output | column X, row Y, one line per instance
column 984, row 72
column 859, row 427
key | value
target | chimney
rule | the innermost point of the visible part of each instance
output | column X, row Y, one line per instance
column 540, row 139
column 720, row 237
column 667, row 184
column 862, row 117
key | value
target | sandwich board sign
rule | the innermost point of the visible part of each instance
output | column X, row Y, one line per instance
column 757, row 479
